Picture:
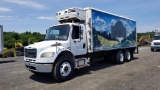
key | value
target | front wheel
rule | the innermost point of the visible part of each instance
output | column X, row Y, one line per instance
column 152, row 49
column 63, row 69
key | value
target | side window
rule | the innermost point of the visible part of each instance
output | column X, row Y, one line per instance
column 75, row 32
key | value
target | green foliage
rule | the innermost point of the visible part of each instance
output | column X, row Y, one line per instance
column 10, row 38
column 32, row 40
column 145, row 34
column 106, row 43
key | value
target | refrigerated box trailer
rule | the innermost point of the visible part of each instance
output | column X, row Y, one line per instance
column 83, row 36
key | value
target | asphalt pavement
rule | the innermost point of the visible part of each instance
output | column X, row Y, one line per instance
column 142, row 73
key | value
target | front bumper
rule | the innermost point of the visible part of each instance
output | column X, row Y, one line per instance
column 155, row 47
column 39, row 67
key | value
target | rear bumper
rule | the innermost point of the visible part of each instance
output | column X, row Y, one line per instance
column 39, row 67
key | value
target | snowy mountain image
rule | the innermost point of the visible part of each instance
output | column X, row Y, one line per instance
column 110, row 31
column 118, row 31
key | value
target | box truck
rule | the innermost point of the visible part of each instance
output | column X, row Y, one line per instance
column 83, row 36
column 1, row 40
column 155, row 44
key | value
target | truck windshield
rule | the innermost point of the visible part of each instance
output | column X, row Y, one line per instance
column 156, row 38
column 58, row 32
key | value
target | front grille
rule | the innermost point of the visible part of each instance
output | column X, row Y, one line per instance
column 156, row 43
column 31, row 53
column 31, row 67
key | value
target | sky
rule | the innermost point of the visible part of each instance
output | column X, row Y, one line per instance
column 38, row 15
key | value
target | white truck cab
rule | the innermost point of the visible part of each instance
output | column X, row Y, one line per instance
column 56, row 54
column 68, row 37
column 155, row 44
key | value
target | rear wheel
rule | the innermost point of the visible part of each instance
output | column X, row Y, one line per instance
column 10, row 54
column 63, row 69
column 127, row 56
column 152, row 49
column 119, row 57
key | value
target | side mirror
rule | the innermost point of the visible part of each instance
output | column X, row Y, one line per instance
column 47, row 31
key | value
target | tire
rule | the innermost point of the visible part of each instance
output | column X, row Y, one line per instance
column 19, row 49
column 152, row 49
column 10, row 54
column 119, row 58
column 63, row 69
column 127, row 55
column 0, row 55
column 19, row 53
column 5, row 55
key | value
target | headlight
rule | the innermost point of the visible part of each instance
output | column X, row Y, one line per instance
column 47, row 54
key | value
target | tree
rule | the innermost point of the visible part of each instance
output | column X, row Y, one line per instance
column 10, row 38
column 145, row 34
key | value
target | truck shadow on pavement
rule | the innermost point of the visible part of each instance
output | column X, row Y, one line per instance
column 48, row 79
column 7, row 61
column 95, row 66
column 43, row 78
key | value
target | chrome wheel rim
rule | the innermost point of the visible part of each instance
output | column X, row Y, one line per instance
column 65, row 69
column 121, row 57
column 128, row 55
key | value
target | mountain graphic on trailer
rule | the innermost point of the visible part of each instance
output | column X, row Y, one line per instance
column 118, row 30
column 111, row 31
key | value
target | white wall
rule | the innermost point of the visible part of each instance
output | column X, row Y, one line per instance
column 1, row 39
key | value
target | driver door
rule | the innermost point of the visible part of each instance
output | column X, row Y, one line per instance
column 78, row 42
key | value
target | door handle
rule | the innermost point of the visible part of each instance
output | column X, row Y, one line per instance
column 74, row 41
column 84, row 45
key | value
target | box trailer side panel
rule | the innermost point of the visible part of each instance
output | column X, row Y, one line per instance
column 112, row 32
column 1, row 39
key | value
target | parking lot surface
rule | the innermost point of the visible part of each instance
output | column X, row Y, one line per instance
column 142, row 73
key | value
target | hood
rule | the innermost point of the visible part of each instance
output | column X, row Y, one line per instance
column 156, row 41
column 42, row 44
